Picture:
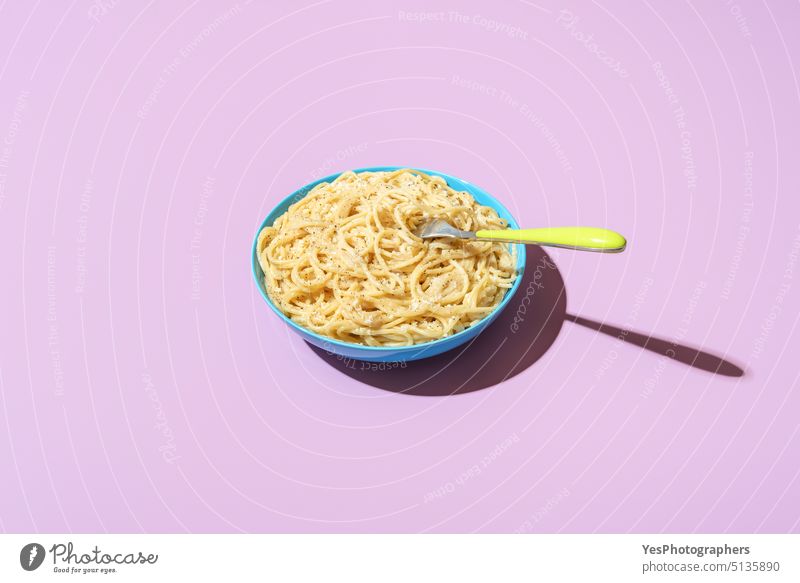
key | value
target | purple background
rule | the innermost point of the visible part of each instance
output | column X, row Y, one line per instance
column 145, row 386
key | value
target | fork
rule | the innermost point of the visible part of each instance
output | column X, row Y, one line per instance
column 580, row 238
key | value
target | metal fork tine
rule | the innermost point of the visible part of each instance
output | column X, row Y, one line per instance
column 440, row 228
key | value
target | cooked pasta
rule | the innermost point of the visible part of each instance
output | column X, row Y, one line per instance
column 344, row 261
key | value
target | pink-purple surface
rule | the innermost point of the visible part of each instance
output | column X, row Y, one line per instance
column 144, row 385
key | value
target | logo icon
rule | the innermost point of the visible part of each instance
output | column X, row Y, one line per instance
column 31, row 556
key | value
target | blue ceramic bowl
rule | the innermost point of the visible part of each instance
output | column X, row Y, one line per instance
column 391, row 353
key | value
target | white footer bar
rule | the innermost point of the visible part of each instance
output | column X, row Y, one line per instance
column 389, row 558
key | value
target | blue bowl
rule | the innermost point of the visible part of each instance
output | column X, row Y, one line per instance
column 391, row 353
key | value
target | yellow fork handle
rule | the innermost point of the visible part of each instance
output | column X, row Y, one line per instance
column 582, row 238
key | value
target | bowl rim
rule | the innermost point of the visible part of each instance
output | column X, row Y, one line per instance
column 326, row 340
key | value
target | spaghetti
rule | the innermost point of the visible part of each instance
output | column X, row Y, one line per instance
column 345, row 263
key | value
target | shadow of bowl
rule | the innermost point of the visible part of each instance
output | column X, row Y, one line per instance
column 519, row 337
